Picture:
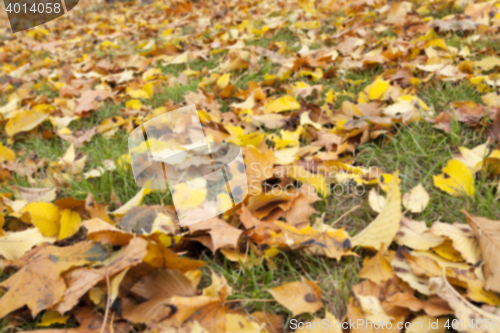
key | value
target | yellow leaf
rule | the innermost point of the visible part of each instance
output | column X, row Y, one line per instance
column 492, row 162
column 188, row 197
column 384, row 180
column 403, row 270
column 455, row 179
column 52, row 317
column 488, row 234
column 110, row 123
column 305, row 120
column 223, row 81
column 70, row 223
column 224, row 202
column 473, row 158
column 305, row 176
column 376, row 201
column 491, row 99
column 43, row 108
column 15, row 244
column 115, row 285
column 287, row 138
column 236, row 323
column 416, row 235
column 239, row 137
column 383, row 229
column 464, row 311
column 133, row 104
column 108, row 44
column 377, row 269
column 462, row 237
column 282, row 104
column 377, row 89
column 6, row 154
column 488, row 63
column 316, row 75
column 45, row 216
column 139, row 93
column 299, row 297
column 373, row 310
column 149, row 89
column 416, row 200
column 134, row 202
column 24, row 121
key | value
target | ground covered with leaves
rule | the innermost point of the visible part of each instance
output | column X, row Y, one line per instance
column 370, row 132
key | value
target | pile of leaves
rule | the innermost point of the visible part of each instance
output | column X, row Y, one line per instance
column 273, row 78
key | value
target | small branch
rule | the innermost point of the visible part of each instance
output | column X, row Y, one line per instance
column 345, row 214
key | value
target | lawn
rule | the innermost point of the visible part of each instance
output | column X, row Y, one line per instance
column 403, row 89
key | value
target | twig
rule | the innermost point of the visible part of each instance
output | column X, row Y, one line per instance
column 249, row 300
column 345, row 214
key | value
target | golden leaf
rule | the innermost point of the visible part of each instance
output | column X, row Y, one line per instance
column 45, row 216
column 282, row 104
column 416, row 200
column 24, row 121
column 383, row 229
column 488, row 234
column 464, row 311
column 455, row 179
column 298, row 297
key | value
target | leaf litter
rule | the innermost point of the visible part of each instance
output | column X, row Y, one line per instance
column 274, row 78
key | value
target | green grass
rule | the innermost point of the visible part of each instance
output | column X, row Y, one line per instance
column 334, row 278
column 420, row 151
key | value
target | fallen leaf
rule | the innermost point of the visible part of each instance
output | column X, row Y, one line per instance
column 69, row 224
column 385, row 227
column 464, row 311
column 30, row 194
column 38, row 283
column 24, row 121
column 455, row 179
column 416, row 200
column 45, row 216
column 376, row 269
column 15, row 244
column 96, row 210
column 90, row 99
column 416, row 235
column 282, row 104
column 488, row 235
column 298, row 297
column 376, row 201
column 79, row 281
column 462, row 237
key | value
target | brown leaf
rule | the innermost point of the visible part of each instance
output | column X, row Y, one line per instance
column 222, row 233
column 105, row 233
column 140, row 220
column 488, row 234
column 30, row 194
column 38, row 283
column 376, row 269
column 89, row 100
column 160, row 256
column 80, row 280
column 464, row 311
column 96, row 210
column 299, row 297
